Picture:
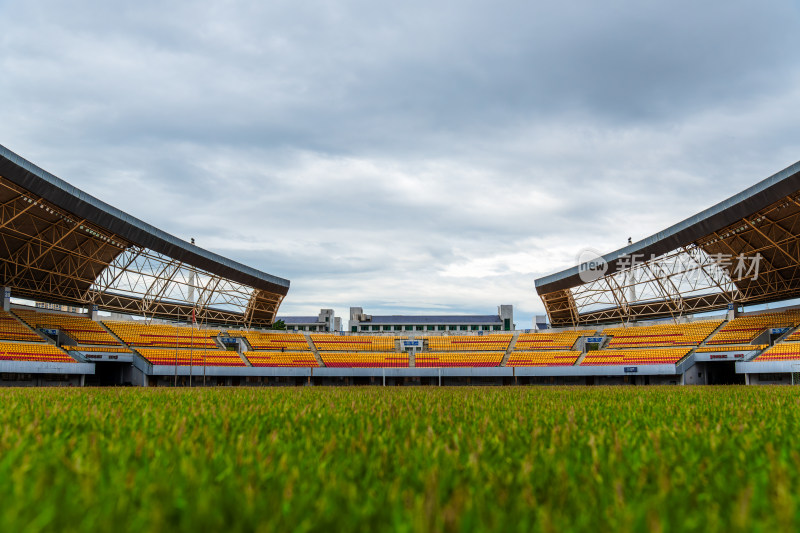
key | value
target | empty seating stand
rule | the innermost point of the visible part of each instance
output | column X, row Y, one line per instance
column 795, row 336
column 355, row 343
column 732, row 348
column 646, row 356
column 89, row 350
column 468, row 343
column 784, row 351
column 458, row 359
column 41, row 352
column 281, row 359
column 744, row 329
column 12, row 329
column 191, row 357
column 662, row 335
column 162, row 335
column 561, row 340
column 294, row 342
column 365, row 359
column 543, row 358
column 83, row 330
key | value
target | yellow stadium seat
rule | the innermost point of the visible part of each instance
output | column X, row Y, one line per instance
column 781, row 352
column 467, row 343
column 193, row 357
column 561, row 340
column 14, row 351
column 81, row 328
column 364, row 359
column 137, row 334
column 12, row 330
column 543, row 358
column 645, row 356
column 281, row 359
column 744, row 329
column 661, row 335
column 354, row 343
column 458, row 359
column 277, row 341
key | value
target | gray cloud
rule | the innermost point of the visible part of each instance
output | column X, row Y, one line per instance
column 404, row 157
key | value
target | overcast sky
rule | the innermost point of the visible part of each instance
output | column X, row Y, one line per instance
column 407, row 157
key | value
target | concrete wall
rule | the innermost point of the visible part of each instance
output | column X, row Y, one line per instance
column 40, row 380
column 42, row 367
column 695, row 375
column 137, row 374
column 658, row 380
column 770, row 379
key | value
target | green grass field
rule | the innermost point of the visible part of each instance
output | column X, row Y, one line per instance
column 417, row 459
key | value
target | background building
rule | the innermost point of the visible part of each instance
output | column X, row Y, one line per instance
column 502, row 321
column 325, row 321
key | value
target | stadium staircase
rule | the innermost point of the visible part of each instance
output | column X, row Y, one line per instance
column 711, row 336
column 779, row 340
column 139, row 361
column 412, row 357
column 580, row 359
column 247, row 346
column 601, row 346
column 76, row 355
column 114, row 335
column 688, row 361
column 786, row 334
column 313, row 349
column 510, row 348
column 241, row 348
column 64, row 338
column 758, row 353
column 220, row 345
column 47, row 339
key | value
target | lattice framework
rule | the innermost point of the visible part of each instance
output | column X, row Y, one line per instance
column 704, row 275
column 50, row 255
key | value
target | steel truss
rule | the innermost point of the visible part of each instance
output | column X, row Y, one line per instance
column 754, row 260
column 153, row 284
column 48, row 254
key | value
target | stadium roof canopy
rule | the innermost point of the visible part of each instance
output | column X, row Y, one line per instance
column 61, row 245
column 744, row 250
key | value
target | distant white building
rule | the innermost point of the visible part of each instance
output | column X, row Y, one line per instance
column 325, row 321
column 502, row 321
column 540, row 322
